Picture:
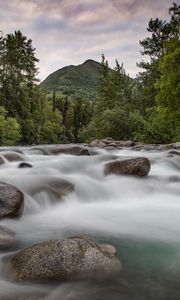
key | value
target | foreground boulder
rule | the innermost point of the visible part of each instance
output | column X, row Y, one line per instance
column 11, row 201
column 139, row 166
column 7, row 238
column 70, row 259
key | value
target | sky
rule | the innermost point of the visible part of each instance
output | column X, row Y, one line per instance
column 66, row 32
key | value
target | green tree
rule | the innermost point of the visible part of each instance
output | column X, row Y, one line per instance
column 155, row 47
column 17, row 79
column 110, row 122
column 168, row 85
column 9, row 129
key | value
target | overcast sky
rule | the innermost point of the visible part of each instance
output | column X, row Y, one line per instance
column 68, row 32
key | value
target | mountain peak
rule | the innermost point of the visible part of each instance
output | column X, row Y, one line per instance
column 74, row 80
column 91, row 62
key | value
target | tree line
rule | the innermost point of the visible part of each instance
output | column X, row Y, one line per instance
column 145, row 109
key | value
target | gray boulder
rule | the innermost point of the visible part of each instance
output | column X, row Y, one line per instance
column 11, row 201
column 139, row 166
column 70, row 259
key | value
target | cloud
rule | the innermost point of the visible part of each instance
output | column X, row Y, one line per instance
column 71, row 31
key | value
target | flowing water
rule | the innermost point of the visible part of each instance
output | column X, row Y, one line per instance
column 140, row 216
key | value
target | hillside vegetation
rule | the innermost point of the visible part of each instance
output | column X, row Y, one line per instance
column 72, row 80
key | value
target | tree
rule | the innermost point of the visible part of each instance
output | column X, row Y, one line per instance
column 9, row 129
column 168, row 85
column 17, row 78
column 155, row 47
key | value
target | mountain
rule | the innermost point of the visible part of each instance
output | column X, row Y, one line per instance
column 74, row 80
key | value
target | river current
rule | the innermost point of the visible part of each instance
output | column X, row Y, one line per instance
column 139, row 215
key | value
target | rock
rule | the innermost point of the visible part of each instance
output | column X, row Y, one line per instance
column 113, row 145
column 109, row 139
column 174, row 152
column 7, row 238
column 24, row 165
column 176, row 145
column 94, row 143
column 73, row 150
column 12, row 156
column 98, row 144
column 25, row 297
column 57, row 186
column 109, row 249
column 137, row 147
column 11, row 201
column 135, row 166
column 174, row 178
column 124, row 143
column 70, row 259
column 1, row 161
column 109, row 148
column 110, row 142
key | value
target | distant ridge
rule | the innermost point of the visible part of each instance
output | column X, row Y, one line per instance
column 79, row 80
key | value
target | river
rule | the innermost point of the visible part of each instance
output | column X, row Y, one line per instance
column 139, row 215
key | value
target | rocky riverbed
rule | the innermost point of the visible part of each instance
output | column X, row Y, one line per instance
column 97, row 221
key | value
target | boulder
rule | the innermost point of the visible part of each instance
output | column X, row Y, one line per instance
column 139, row 166
column 124, row 143
column 70, row 259
column 174, row 152
column 72, row 150
column 113, row 145
column 7, row 238
column 11, row 201
column 1, row 161
column 98, row 144
column 57, row 186
column 24, row 165
column 13, row 156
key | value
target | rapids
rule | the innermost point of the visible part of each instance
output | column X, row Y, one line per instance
column 140, row 216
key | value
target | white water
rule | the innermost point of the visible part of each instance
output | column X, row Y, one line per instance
column 141, row 216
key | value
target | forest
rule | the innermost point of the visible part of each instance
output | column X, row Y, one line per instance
column 144, row 109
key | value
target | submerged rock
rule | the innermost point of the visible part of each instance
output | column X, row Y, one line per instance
column 1, row 161
column 57, row 186
column 73, row 150
column 174, row 152
column 11, row 201
column 70, row 259
column 174, row 178
column 139, row 166
column 7, row 238
column 13, row 156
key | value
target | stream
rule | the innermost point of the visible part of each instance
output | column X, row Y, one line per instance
column 138, row 215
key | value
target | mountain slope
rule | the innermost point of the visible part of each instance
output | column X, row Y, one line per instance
column 74, row 80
